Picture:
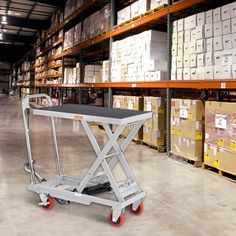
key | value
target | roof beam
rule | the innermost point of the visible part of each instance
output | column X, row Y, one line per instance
column 56, row 3
column 27, row 23
column 19, row 38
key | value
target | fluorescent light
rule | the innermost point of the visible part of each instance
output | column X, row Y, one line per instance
column 1, row 36
column 4, row 20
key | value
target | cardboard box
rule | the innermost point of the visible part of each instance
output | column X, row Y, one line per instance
column 209, row 44
column 201, row 19
column 147, row 134
column 179, row 62
column 227, row 41
column 209, row 72
column 158, row 138
column 209, row 59
column 193, row 60
column 234, row 71
column 186, row 74
column 218, row 29
column 192, row 129
column 174, row 38
column 186, row 61
column 200, row 59
column 186, row 48
column 218, row 72
column 180, row 25
column 192, row 47
column 181, row 37
column 179, row 75
column 193, row 34
column 225, row 12
column 193, row 74
column 199, row 32
column 174, row 50
column 180, row 49
column 227, row 72
column 175, row 107
column 226, row 27
column 233, row 25
column 209, row 17
column 218, row 58
column 227, row 161
column 218, row 43
column 187, row 36
column 158, row 121
column 194, row 150
column 179, row 145
column 200, row 46
column 217, row 14
column 233, row 9
column 211, row 156
column 208, row 31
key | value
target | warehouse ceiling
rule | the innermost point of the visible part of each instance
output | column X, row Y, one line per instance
column 20, row 22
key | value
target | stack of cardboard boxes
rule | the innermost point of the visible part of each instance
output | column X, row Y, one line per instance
column 92, row 74
column 140, row 57
column 187, row 128
column 90, row 27
column 137, row 8
column 204, row 45
column 154, row 133
column 220, row 136
column 131, row 103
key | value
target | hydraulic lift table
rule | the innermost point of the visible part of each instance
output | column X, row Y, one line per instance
column 85, row 190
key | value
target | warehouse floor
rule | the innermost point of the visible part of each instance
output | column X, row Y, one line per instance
column 181, row 200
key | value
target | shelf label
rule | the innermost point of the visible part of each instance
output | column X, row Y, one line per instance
column 221, row 121
column 183, row 112
column 134, row 85
column 223, row 85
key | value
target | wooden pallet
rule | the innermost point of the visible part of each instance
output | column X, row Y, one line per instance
column 155, row 9
column 219, row 172
column 160, row 149
column 195, row 163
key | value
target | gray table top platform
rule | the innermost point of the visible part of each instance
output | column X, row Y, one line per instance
column 95, row 114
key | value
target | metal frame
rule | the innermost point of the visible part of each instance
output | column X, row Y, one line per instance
column 70, row 188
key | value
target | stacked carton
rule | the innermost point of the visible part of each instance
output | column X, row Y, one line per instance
column 131, row 103
column 220, row 136
column 204, row 45
column 187, row 128
column 140, row 57
column 154, row 129
column 92, row 74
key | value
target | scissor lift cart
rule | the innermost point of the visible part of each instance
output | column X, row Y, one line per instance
column 71, row 189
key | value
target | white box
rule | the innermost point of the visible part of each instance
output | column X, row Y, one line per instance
column 175, row 26
column 180, row 25
column 217, row 15
column 226, row 72
column 200, row 48
column 193, row 34
column 233, row 25
column 225, row 12
column 209, row 72
column 199, row 32
column 234, row 71
column 218, row 43
column 187, row 23
column 227, row 41
column 175, row 38
column 227, row 57
column 186, row 61
column 200, row 73
column 209, row 59
column 193, row 21
column 233, row 9
column 234, row 56
column 192, row 47
column 200, row 59
column 187, row 36
column 179, row 75
column 233, row 37
column 226, row 27
column 173, row 74
column 193, row 60
column 209, row 44
column 186, row 48
column 174, row 50
column 201, row 19
column 174, row 63
column 180, row 49
column 193, row 74
column 218, row 58
column 180, row 37
column 186, row 74
column 209, row 17
column 179, row 62
column 208, row 30
column 218, row 72
column 218, row 28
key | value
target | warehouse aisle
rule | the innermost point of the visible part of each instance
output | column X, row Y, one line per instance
column 181, row 200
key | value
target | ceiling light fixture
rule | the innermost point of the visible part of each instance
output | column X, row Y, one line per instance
column 4, row 20
column 1, row 35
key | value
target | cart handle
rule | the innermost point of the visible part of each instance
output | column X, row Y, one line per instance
column 26, row 99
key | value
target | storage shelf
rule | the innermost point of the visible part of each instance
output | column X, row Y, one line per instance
column 49, row 77
column 198, row 84
column 50, row 67
column 48, row 48
column 51, row 59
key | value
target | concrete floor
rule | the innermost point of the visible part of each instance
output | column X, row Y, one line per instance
column 181, row 200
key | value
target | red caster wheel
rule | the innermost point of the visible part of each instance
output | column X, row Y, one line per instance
column 50, row 203
column 139, row 210
column 119, row 222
